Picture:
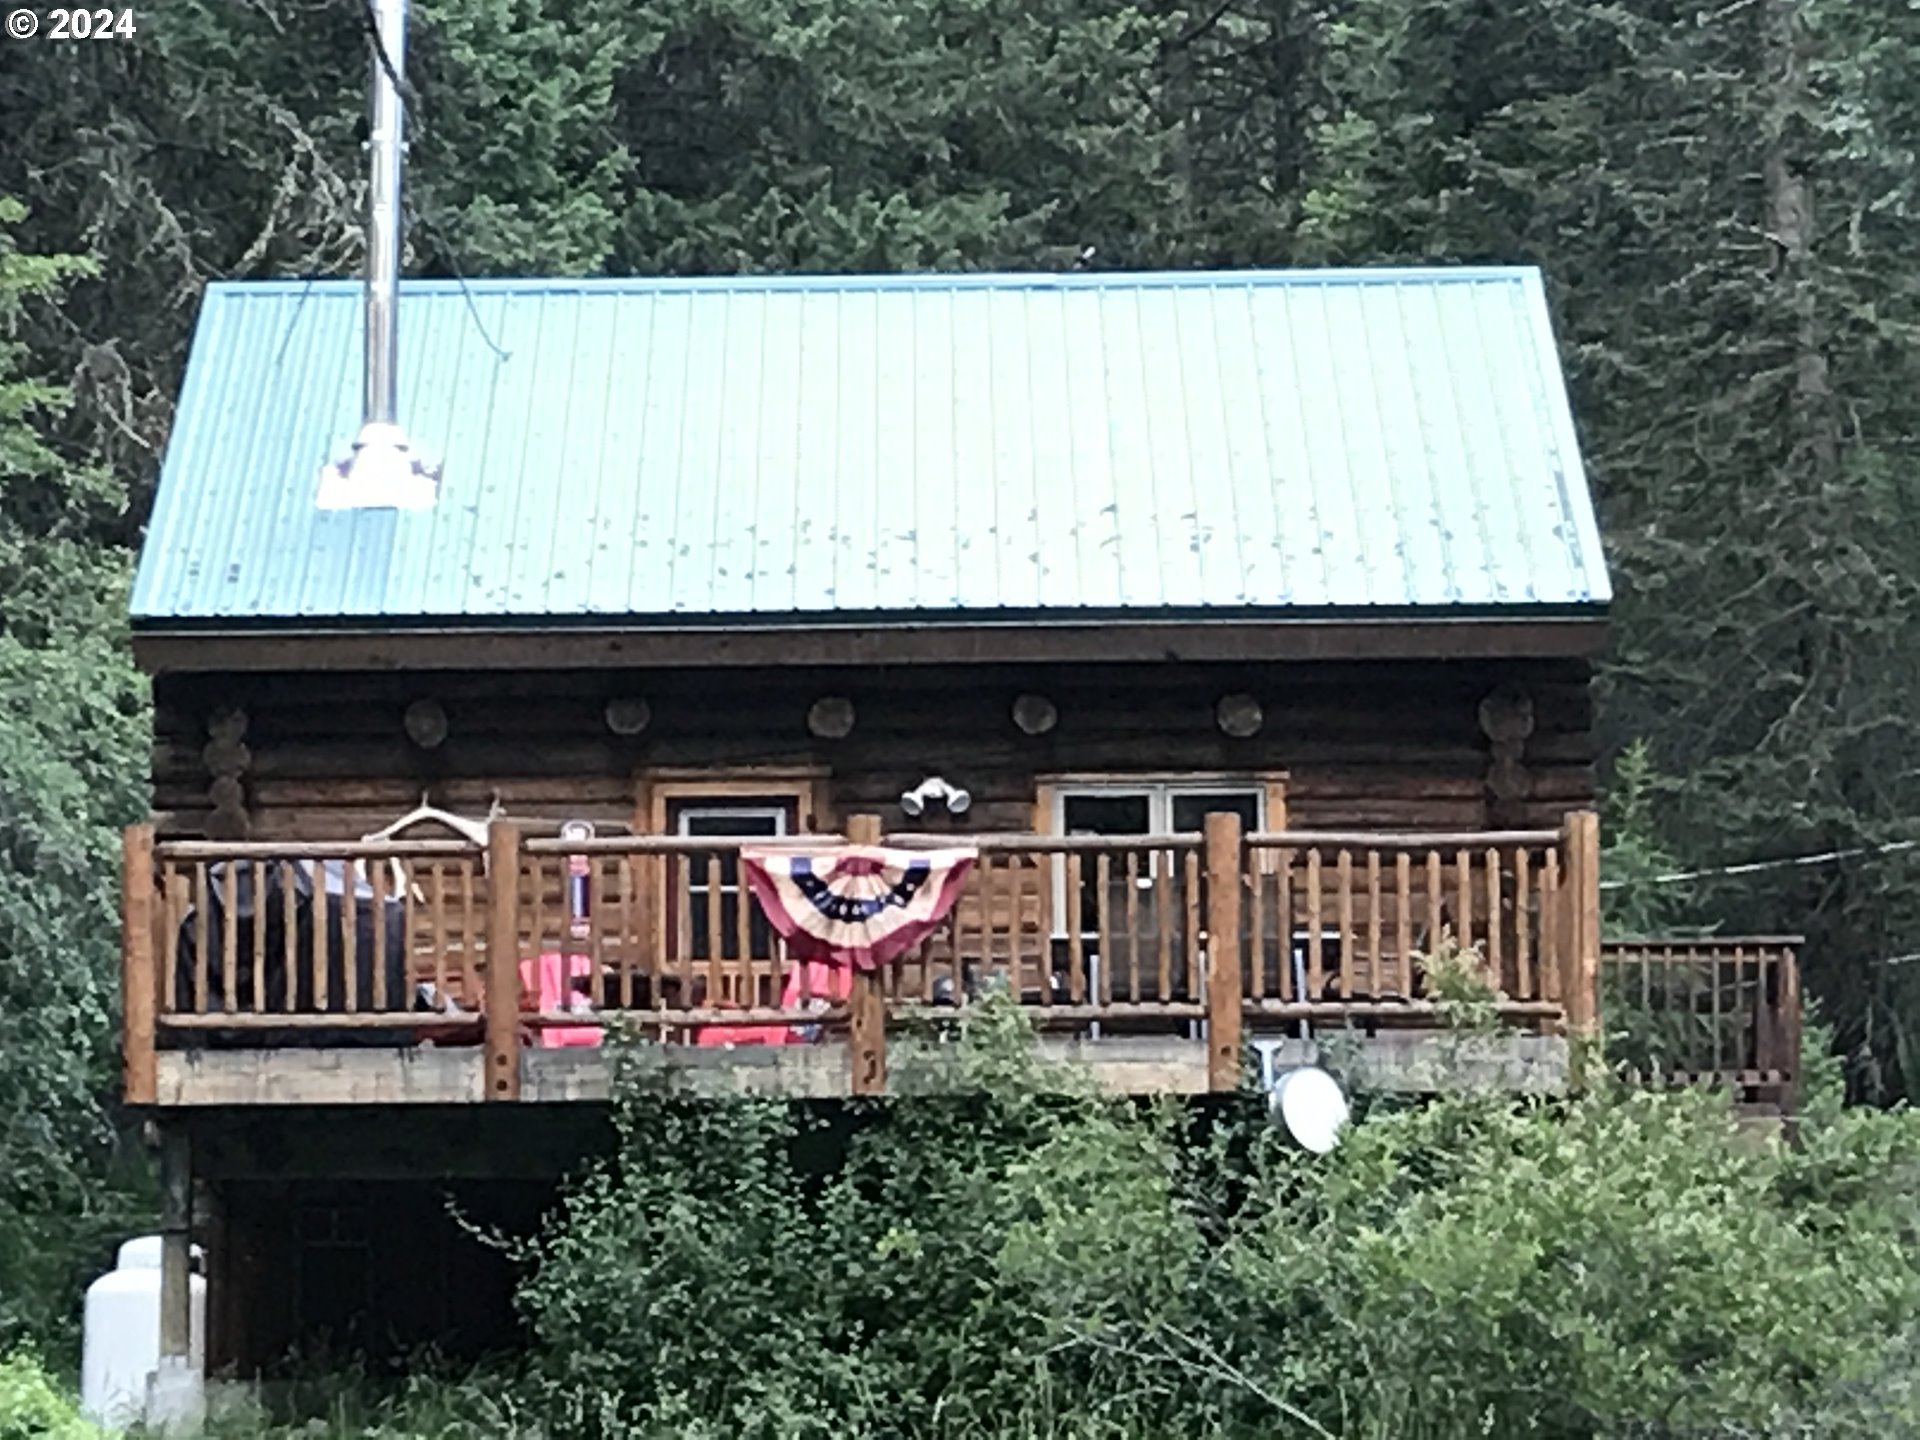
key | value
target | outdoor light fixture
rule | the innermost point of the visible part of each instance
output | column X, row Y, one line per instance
column 933, row 788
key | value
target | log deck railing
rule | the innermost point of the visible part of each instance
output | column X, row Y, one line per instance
column 297, row 945
column 1721, row 1012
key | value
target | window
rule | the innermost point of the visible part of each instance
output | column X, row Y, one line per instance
column 710, row 938
column 1153, row 809
column 711, row 886
column 1139, row 807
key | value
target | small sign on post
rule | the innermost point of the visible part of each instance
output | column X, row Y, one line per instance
column 579, row 886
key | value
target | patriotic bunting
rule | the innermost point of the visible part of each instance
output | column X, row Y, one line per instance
column 856, row 905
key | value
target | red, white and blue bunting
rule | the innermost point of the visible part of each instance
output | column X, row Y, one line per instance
column 854, row 904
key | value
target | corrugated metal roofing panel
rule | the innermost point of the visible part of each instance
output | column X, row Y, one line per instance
column 886, row 445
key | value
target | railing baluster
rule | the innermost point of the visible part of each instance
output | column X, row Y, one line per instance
column 1021, row 874
column 1714, row 973
column 410, row 967
column 1283, row 926
column 1133, row 925
column 1374, row 987
column 1496, row 960
column 1403, row 922
column 536, row 867
column 1463, row 894
column 230, row 963
column 377, row 871
column 956, row 960
column 1742, row 1016
column 1523, row 923
column 1256, row 926
column 653, row 946
column 323, row 996
column 469, row 937
column 1315, row 954
column 350, row 931
column 437, row 927
column 1190, row 942
column 631, row 938
column 597, row 883
column 1076, row 957
column 171, row 918
column 679, row 868
column 1436, row 904
column 716, row 976
column 743, row 938
column 1551, row 932
column 289, row 935
column 1103, row 895
column 1163, row 896
column 202, row 938
column 996, row 933
column 255, row 874
column 1345, row 945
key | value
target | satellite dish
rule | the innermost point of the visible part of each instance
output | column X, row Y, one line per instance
column 1308, row 1104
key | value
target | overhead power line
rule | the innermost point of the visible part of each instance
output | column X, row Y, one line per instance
column 1825, row 857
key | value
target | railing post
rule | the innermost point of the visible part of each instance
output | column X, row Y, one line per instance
column 1787, row 1031
column 1224, row 866
column 503, row 961
column 1580, row 991
column 866, row 1000
column 139, row 986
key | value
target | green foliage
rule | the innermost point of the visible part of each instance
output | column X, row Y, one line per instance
column 72, row 733
column 1631, row 857
column 1035, row 1259
column 32, row 1408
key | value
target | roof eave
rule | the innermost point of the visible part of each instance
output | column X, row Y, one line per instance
column 597, row 644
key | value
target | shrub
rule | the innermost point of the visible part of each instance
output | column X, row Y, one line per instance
column 33, row 1408
column 1032, row 1259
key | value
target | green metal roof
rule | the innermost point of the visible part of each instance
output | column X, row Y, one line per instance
column 887, row 447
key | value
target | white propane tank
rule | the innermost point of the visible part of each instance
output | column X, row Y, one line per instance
column 121, row 1338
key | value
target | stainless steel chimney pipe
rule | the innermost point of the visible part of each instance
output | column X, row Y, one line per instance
column 387, row 146
column 382, row 472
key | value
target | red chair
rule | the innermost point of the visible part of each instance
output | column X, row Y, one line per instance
column 825, row 983
column 558, row 988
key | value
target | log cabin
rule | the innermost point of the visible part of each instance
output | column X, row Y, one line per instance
column 1240, row 626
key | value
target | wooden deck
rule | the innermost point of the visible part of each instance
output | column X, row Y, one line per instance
column 361, row 973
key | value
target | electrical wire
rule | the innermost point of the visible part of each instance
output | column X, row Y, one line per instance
column 1752, row 867
column 411, row 108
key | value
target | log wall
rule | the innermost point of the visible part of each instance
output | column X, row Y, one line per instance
column 1399, row 745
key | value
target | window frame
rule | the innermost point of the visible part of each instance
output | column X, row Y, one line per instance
column 661, row 795
column 1052, row 792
